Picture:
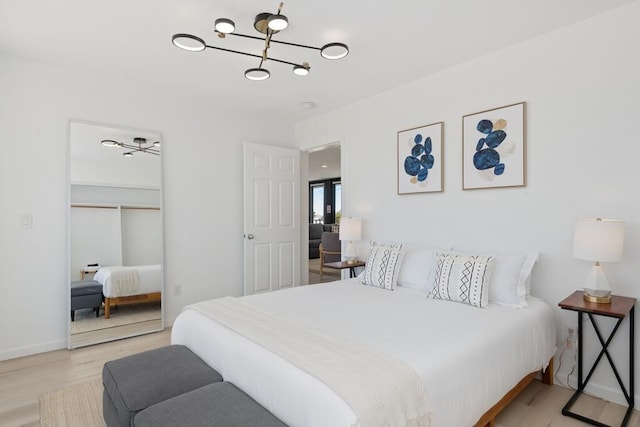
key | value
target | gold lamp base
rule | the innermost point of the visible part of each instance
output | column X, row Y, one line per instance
column 351, row 261
column 597, row 299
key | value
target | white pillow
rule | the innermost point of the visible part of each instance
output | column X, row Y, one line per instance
column 511, row 281
column 383, row 266
column 418, row 269
column 463, row 278
column 511, row 278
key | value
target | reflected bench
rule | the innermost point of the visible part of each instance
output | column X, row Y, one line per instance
column 85, row 294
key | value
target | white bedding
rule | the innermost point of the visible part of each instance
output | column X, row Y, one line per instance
column 352, row 370
column 149, row 280
column 467, row 357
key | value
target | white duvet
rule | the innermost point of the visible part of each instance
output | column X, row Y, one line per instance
column 467, row 357
column 148, row 279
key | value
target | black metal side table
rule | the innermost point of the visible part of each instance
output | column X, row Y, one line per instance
column 619, row 308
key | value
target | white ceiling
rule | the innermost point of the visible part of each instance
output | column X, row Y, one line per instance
column 94, row 164
column 324, row 163
column 391, row 43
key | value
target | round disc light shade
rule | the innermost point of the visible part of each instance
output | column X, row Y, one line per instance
column 334, row 51
column 277, row 22
column 299, row 70
column 257, row 74
column 109, row 143
column 261, row 23
column 224, row 25
column 188, row 42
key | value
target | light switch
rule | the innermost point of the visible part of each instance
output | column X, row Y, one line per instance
column 26, row 221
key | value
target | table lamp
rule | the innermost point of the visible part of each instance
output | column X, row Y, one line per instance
column 350, row 230
column 598, row 240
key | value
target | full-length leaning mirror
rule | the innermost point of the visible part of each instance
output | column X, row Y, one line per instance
column 115, row 233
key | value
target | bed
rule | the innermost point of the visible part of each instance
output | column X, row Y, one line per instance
column 470, row 361
column 129, row 285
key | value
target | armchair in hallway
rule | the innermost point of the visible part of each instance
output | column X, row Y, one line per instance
column 330, row 248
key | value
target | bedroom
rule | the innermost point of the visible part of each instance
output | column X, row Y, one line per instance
column 581, row 159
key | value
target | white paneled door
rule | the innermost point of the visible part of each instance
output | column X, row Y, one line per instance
column 271, row 218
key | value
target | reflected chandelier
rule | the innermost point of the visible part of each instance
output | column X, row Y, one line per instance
column 268, row 24
column 139, row 145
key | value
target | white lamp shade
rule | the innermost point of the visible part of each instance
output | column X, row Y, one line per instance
column 350, row 229
column 597, row 239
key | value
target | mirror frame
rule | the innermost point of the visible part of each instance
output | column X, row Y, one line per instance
column 68, row 225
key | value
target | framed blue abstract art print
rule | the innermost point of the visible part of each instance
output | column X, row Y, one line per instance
column 420, row 159
column 493, row 148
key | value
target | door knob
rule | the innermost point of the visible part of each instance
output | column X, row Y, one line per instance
column 250, row 236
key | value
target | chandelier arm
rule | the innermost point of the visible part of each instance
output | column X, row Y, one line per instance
column 149, row 150
column 296, row 45
column 137, row 147
column 274, row 41
column 253, row 55
column 285, row 62
column 130, row 147
column 266, row 47
column 233, row 51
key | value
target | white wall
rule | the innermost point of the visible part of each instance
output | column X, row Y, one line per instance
column 202, row 158
column 141, row 240
column 581, row 89
column 95, row 238
column 582, row 93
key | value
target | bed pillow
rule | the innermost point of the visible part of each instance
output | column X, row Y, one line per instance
column 511, row 278
column 383, row 266
column 418, row 269
column 463, row 278
column 511, row 281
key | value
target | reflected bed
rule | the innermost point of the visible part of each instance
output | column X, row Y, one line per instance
column 129, row 285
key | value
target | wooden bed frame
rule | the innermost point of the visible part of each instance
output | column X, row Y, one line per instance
column 133, row 299
column 489, row 417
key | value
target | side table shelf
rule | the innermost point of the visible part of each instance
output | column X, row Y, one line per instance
column 619, row 308
column 341, row 265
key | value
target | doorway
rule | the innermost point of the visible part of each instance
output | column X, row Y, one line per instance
column 324, row 207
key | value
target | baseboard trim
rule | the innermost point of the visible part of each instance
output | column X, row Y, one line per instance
column 603, row 392
column 29, row 350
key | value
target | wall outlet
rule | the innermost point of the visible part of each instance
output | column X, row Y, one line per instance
column 26, row 221
column 177, row 290
column 570, row 337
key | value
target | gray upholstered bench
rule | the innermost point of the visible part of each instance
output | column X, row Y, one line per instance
column 221, row 404
column 136, row 382
column 85, row 294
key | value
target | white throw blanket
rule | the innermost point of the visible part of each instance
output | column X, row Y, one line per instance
column 380, row 390
column 124, row 281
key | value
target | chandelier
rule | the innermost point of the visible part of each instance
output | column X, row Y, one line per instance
column 139, row 145
column 267, row 24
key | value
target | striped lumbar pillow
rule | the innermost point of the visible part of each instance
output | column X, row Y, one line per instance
column 463, row 278
column 383, row 266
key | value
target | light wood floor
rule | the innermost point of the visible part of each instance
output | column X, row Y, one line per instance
column 330, row 275
column 22, row 380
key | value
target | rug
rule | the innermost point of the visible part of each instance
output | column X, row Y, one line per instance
column 77, row 405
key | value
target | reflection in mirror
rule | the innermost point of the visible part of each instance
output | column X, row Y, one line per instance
column 115, row 233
